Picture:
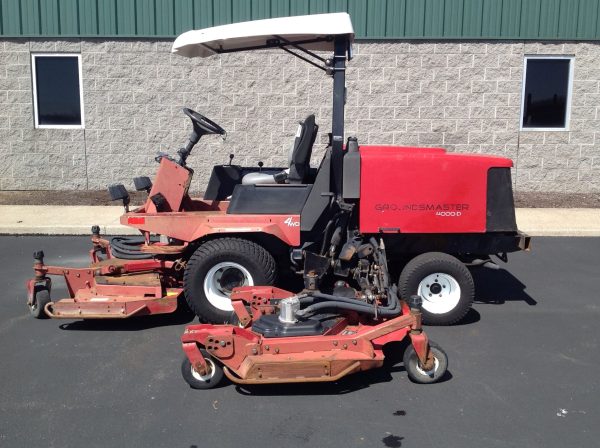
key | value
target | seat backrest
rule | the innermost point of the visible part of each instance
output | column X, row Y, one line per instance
column 303, row 144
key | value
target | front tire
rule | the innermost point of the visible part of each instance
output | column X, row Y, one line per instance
column 213, row 377
column 443, row 282
column 413, row 366
column 217, row 267
column 41, row 298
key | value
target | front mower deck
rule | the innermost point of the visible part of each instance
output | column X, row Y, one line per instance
column 107, row 288
column 105, row 301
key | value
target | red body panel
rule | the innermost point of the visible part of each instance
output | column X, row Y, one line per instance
column 191, row 219
column 172, row 181
column 189, row 226
column 423, row 190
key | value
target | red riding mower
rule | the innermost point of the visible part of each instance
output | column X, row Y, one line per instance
column 430, row 213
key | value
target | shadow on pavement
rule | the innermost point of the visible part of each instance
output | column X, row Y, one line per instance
column 498, row 287
column 471, row 317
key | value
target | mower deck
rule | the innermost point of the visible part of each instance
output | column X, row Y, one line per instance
column 108, row 288
column 102, row 302
column 350, row 344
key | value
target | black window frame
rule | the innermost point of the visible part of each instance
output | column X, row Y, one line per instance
column 39, row 125
column 571, row 60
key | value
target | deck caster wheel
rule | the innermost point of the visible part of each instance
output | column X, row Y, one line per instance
column 217, row 267
column 213, row 377
column 417, row 374
column 41, row 297
column 443, row 282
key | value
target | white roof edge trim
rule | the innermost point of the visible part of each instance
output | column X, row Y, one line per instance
column 242, row 35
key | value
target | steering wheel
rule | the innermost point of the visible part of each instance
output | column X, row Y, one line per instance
column 206, row 126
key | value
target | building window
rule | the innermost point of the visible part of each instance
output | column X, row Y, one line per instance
column 57, row 91
column 546, row 93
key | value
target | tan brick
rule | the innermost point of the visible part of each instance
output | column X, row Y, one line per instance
column 456, row 112
column 421, row 47
column 409, row 112
column 431, row 138
column 395, row 99
column 382, row 113
column 418, row 125
column 495, row 99
column 370, row 74
column 384, row 60
column 420, row 99
column 406, row 139
column 431, row 112
column 434, row 60
column 460, row 60
column 395, row 73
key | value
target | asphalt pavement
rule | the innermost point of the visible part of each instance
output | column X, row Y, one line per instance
column 523, row 372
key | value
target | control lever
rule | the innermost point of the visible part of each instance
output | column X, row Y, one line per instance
column 231, row 156
column 119, row 192
column 260, row 165
column 142, row 183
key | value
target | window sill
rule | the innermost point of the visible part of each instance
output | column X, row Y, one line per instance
column 544, row 130
column 59, row 126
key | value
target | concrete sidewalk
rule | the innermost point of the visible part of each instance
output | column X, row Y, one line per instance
column 77, row 220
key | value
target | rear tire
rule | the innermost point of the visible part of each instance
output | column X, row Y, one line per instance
column 41, row 298
column 443, row 282
column 218, row 266
column 196, row 381
column 417, row 374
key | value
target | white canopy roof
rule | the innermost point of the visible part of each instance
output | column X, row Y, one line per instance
column 245, row 35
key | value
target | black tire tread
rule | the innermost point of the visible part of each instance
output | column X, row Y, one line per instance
column 219, row 245
column 415, row 376
column 421, row 260
column 42, row 298
column 193, row 382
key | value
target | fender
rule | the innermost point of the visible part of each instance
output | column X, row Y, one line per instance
column 190, row 226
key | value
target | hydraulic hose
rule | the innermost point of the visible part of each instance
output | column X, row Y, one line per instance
column 128, row 248
column 343, row 303
column 326, row 232
column 337, row 305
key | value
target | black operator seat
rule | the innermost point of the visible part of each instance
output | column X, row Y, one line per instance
column 299, row 158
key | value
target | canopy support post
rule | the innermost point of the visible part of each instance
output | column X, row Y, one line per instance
column 339, row 102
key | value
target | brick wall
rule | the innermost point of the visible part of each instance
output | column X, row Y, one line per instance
column 462, row 96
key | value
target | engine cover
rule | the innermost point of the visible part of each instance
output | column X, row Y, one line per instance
column 426, row 190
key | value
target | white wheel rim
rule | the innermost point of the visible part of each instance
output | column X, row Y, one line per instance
column 211, row 371
column 216, row 292
column 440, row 293
column 430, row 373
